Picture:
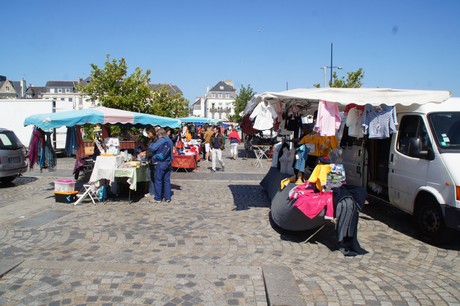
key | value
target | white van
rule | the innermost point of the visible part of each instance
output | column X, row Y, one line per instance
column 418, row 168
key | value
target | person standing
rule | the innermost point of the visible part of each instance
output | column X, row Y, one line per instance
column 162, row 156
column 217, row 145
column 152, row 134
column 235, row 139
column 207, row 142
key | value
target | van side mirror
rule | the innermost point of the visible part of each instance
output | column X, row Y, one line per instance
column 416, row 149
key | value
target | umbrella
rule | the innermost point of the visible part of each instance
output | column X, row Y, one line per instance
column 98, row 115
column 193, row 119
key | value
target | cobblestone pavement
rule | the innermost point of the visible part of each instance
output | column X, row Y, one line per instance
column 201, row 250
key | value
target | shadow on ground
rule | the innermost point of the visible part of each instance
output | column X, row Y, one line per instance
column 247, row 196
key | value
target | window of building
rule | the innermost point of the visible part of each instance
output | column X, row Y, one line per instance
column 7, row 88
column 213, row 95
column 227, row 96
column 52, row 90
column 220, row 96
column 70, row 100
column 67, row 90
column 62, row 99
column 59, row 90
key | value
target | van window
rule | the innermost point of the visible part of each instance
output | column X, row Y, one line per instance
column 9, row 141
column 446, row 129
column 412, row 129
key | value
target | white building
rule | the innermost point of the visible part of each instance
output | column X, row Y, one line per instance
column 218, row 103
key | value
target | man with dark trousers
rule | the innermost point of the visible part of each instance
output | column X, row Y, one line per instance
column 162, row 156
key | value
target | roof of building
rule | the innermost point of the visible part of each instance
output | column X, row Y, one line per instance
column 36, row 89
column 61, row 83
column 173, row 89
column 223, row 86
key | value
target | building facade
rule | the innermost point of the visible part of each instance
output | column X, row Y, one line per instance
column 12, row 89
column 218, row 103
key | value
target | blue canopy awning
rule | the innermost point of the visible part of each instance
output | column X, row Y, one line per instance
column 98, row 115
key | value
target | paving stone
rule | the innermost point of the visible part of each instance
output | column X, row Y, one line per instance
column 201, row 250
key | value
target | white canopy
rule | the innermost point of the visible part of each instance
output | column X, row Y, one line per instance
column 359, row 96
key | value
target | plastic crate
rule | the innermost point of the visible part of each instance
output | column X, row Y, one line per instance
column 66, row 197
column 64, row 185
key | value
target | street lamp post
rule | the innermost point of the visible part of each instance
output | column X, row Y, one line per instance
column 324, row 74
column 330, row 67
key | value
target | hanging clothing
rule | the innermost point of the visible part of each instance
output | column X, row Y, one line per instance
column 71, row 142
column 328, row 118
column 348, row 202
column 37, row 141
column 246, row 126
column 319, row 145
column 301, row 157
column 379, row 121
column 353, row 122
column 47, row 159
column 264, row 114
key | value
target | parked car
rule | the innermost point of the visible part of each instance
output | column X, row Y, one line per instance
column 12, row 156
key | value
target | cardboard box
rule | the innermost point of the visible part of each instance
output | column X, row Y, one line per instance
column 66, row 197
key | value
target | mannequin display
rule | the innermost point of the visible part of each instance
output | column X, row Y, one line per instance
column 286, row 161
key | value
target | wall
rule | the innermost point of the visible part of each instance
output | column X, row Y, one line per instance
column 15, row 111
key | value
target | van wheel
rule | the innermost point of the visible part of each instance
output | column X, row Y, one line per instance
column 429, row 220
column 7, row 179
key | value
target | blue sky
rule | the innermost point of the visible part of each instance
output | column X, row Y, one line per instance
column 269, row 45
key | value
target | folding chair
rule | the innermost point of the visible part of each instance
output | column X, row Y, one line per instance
column 88, row 190
column 260, row 153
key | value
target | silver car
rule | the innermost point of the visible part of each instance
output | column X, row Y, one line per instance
column 12, row 156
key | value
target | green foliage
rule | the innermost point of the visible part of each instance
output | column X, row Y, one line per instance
column 113, row 88
column 354, row 80
column 242, row 98
column 164, row 103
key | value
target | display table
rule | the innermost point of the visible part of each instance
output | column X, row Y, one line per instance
column 104, row 168
column 134, row 175
column 184, row 161
column 112, row 167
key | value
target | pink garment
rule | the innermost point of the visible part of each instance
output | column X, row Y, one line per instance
column 328, row 120
column 311, row 203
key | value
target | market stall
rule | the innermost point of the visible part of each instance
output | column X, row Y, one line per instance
column 111, row 163
column 336, row 113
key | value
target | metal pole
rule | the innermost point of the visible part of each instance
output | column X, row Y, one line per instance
column 331, row 66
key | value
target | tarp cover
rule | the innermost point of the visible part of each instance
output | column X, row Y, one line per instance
column 193, row 119
column 359, row 96
column 98, row 115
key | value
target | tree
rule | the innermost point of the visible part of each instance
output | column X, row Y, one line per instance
column 354, row 80
column 242, row 98
column 114, row 89
column 164, row 103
